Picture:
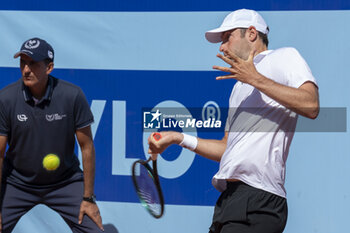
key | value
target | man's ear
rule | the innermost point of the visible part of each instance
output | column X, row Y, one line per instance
column 49, row 68
column 252, row 33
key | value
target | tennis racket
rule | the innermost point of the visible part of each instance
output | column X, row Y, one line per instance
column 147, row 186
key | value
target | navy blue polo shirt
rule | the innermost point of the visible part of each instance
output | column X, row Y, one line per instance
column 37, row 129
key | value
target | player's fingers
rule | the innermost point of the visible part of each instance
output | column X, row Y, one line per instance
column 152, row 145
column 151, row 138
column 225, row 59
column 150, row 152
column 156, row 136
column 230, row 76
column 156, row 141
column 152, row 149
column 224, row 69
column 156, row 148
column 151, row 141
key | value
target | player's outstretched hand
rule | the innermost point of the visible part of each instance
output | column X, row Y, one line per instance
column 241, row 70
column 158, row 144
column 91, row 210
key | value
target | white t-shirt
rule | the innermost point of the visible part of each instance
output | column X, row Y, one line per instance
column 260, row 129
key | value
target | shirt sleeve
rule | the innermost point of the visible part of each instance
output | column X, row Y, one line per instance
column 297, row 71
column 82, row 113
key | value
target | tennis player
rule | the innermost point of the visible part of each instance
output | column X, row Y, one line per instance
column 40, row 115
column 273, row 87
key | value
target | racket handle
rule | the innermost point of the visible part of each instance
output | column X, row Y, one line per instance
column 157, row 136
column 153, row 156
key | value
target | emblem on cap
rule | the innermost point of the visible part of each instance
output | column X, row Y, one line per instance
column 50, row 54
column 32, row 44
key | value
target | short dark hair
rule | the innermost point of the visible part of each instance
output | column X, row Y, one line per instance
column 47, row 61
column 261, row 35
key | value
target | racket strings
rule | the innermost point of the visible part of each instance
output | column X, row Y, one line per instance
column 147, row 189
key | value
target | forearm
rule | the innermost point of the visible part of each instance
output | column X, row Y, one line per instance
column 86, row 144
column 88, row 155
column 211, row 149
column 303, row 100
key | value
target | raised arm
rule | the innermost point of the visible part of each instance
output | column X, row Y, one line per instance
column 303, row 100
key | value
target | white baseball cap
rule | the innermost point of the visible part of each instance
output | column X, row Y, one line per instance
column 238, row 19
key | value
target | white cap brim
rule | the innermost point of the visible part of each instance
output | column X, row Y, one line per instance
column 214, row 36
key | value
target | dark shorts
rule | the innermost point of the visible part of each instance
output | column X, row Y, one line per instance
column 65, row 200
column 245, row 209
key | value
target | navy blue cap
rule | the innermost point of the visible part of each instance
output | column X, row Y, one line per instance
column 37, row 49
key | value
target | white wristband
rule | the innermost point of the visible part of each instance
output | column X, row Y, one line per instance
column 190, row 142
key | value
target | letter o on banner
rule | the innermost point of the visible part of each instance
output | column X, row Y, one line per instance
column 177, row 167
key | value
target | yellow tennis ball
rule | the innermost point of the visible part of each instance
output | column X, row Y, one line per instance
column 51, row 162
